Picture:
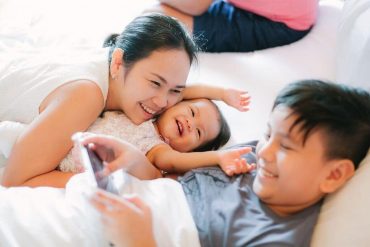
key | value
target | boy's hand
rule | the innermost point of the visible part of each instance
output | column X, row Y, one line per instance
column 236, row 98
column 231, row 162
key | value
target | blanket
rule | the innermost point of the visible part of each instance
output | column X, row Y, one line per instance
column 64, row 217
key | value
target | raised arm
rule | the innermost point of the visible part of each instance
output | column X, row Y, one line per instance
column 167, row 159
column 47, row 140
column 239, row 99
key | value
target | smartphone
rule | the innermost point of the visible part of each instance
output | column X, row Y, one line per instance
column 94, row 165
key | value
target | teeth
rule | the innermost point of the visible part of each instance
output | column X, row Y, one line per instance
column 179, row 124
column 266, row 173
column 147, row 109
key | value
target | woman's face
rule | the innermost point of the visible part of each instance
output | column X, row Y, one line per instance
column 153, row 84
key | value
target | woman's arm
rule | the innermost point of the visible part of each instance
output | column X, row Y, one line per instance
column 47, row 140
column 238, row 99
column 167, row 159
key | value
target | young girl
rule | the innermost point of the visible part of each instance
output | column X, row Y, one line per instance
column 57, row 93
column 191, row 125
column 242, row 26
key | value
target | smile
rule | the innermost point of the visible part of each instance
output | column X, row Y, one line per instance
column 180, row 127
column 265, row 173
column 147, row 109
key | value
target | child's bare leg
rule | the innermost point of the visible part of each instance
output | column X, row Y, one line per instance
column 182, row 10
column 189, row 7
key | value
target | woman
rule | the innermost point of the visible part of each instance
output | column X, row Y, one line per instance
column 141, row 72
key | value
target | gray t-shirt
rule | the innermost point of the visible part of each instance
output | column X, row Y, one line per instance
column 227, row 212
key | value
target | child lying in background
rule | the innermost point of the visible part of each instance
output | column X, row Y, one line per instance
column 191, row 125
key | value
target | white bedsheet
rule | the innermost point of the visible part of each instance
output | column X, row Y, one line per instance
column 57, row 217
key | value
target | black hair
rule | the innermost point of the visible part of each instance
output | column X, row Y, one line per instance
column 341, row 112
column 148, row 33
column 223, row 135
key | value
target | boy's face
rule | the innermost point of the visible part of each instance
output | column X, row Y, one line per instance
column 189, row 124
column 289, row 175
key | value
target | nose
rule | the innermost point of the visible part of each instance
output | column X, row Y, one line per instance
column 161, row 100
column 266, row 150
column 190, row 125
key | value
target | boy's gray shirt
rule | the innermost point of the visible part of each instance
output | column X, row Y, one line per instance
column 227, row 212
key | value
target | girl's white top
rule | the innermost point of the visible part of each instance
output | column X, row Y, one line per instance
column 28, row 77
column 143, row 136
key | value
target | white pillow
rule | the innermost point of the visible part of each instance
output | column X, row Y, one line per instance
column 353, row 50
column 344, row 218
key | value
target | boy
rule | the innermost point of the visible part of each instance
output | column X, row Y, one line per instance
column 317, row 135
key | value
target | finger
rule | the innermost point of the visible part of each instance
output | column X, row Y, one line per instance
column 244, row 150
column 238, row 167
column 138, row 202
column 229, row 171
column 243, row 109
column 245, row 96
column 244, row 166
column 244, row 103
column 252, row 166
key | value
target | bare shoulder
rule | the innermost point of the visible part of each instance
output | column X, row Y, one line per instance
column 85, row 92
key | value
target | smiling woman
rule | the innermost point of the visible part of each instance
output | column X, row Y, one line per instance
column 140, row 73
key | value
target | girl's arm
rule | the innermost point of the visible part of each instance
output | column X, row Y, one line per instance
column 167, row 159
column 238, row 99
column 47, row 140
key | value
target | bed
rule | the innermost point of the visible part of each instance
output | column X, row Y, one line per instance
column 337, row 48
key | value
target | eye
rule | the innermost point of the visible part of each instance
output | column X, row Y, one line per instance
column 283, row 146
column 155, row 83
column 198, row 133
column 192, row 112
column 176, row 91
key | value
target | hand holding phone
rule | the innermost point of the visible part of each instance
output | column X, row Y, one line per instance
column 94, row 166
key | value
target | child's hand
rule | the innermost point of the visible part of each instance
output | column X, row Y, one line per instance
column 231, row 162
column 236, row 98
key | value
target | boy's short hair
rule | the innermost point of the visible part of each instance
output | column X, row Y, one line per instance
column 223, row 135
column 342, row 112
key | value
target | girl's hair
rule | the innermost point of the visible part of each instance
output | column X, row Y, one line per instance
column 223, row 135
column 149, row 33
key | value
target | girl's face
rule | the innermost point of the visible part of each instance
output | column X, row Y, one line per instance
column 153, row 84
column 189, row 124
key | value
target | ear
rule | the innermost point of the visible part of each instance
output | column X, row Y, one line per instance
column 338, row 172
column 116, row 63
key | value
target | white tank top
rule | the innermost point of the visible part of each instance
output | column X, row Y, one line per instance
column 28, row 77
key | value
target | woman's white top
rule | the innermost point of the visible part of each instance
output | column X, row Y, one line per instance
column 117, row 124
column 28, row 77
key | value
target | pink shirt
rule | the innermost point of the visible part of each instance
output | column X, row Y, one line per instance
column 296, row 14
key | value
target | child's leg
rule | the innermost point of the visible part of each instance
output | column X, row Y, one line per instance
column 9, row 132
column 225, row 28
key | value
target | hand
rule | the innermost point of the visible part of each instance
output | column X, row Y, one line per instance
column 236, row 98
column 231, row 163
column 114, row 152
column 126, row 221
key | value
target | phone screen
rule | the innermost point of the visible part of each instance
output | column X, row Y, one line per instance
column 103, row 182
